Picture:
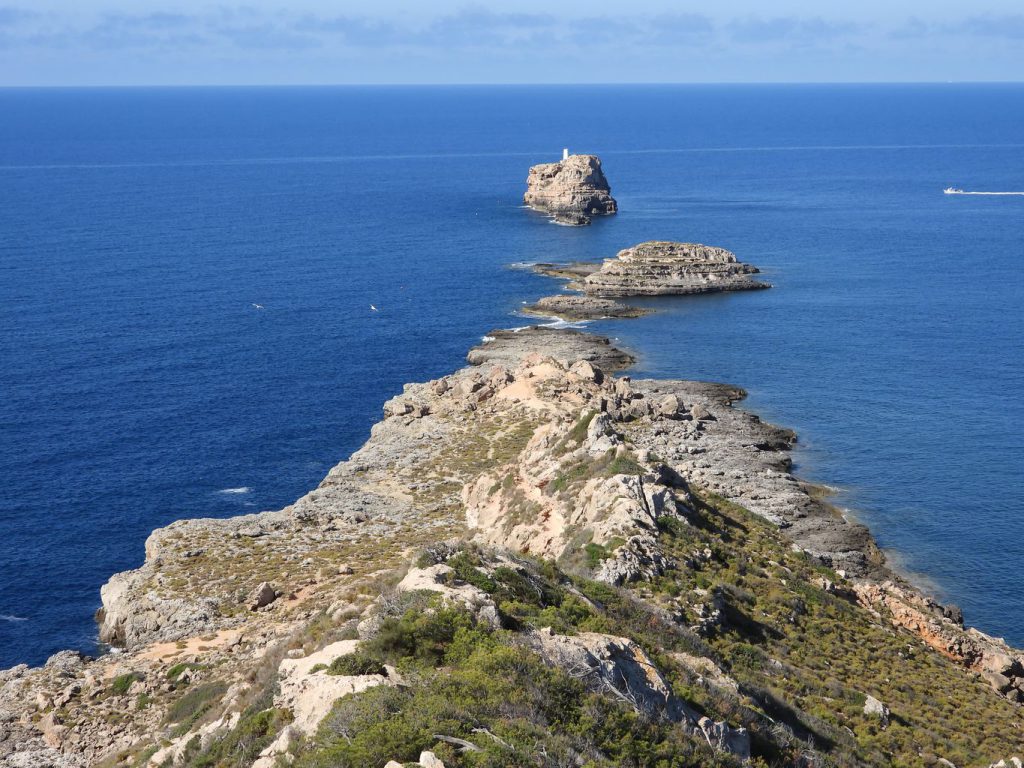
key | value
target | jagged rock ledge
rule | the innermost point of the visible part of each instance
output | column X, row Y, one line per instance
column 571, row 191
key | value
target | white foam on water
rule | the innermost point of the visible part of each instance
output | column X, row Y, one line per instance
column 11, row 618
column 243, row 489
column 557, row 322
column 991, row 194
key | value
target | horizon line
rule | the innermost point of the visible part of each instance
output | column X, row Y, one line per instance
column 638, row 83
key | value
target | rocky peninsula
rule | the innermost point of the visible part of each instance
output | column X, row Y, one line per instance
column 641, row 545
column 571, row 191
column 536, row 560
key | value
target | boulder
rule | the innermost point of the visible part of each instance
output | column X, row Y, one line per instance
column 262, row 596
column 618, row 666
column 669, row 407
column 875, row 708
column 310, row 695
column 430, row 760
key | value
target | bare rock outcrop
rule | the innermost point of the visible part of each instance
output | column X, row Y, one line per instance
column 571, row 191
column 572, row 308
column 618, row 666
column 567, row 346
column 658, row 268
column 308, row 691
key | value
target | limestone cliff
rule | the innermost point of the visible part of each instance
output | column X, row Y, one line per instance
column 571, row 190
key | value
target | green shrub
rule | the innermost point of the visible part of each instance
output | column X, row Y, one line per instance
column 199, row 700
column 175, row 672
column 579, row 429
column 243, row 744
column 514, row 708
column 465, row 569
column 120, row 684
column 357, row 663
column 419, row 635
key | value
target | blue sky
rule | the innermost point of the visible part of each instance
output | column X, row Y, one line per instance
column 159, row 42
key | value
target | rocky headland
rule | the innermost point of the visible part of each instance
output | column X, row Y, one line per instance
column 571, row 191
column 641, row 544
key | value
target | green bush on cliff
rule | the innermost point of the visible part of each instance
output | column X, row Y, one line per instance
column 608, row 464
column 418, row 636
column 358, row 663
column 119, row 685
column 242, row 745
column 511, row 706
column 190, row 707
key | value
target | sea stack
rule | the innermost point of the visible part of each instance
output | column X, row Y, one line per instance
column 571, row 191
column 658, row 268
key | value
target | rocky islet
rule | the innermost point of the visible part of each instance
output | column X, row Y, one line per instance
column 571, row 191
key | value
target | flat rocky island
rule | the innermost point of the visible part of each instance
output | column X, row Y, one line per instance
column 571, row 191
column 659, row 268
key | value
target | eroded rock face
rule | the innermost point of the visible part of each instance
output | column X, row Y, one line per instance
column 309, row 693
column 999, row 665
column 572, row 190
column 616, row 664
column 661, row 268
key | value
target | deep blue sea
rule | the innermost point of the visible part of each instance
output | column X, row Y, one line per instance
column 139, row 384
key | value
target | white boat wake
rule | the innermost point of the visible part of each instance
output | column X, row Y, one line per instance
column 954, row 191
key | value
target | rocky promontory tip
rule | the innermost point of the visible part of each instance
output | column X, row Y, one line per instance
column 508, row 347
column 572, row 190
column 659, row 268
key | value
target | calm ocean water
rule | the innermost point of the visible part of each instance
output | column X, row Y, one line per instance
column 138, row 228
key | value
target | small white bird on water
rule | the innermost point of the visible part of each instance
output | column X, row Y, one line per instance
column 373, row 308
column 258, row 306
